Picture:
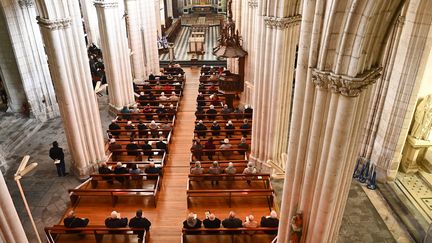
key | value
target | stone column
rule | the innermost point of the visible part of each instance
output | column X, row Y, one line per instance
column 61, row 27
column 399, row 96
column 90, row 22
column 330, row 103
column 11, row 229
column 273, row 84
column 115, row 53
column 30, row 58
column 142, row 32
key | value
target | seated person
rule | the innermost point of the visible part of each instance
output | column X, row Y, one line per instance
column 215, row 169
column 161, row 145
column 103, row 169
column 201, row 100
column 135, row 108
column 124, row 111
column 152, row 77
column 248, row 111
column 142, row 98
column 167, row 128
column 214, row 99
column 153, row 128
column 174, row 96
column 147, row 150
column 215, row 128
column 270, row 221
column 120, row 169
column 232, row 221
column 192, row 222
column 229, row 128
column 139, row 222
column 148, row 112
column 201, row 128
column 114, row 221
column 163, row 97
column 211, row 222
column 211, row 113
column 245, row 125
column 196, row 149
column 114, row 146
column 161, row 112
column 226, row 146
column 197, row 169
column 74, row 222
column 135, row 169
column 243, row 145
column 132, row 148
column 129, row 126
column 210, row 145
column 225, row 112
column 230, row 170
column 114, row 126
column 250, row 169
column 250, row 222
column 200, row 113
column 171, row 109
column 142, row 129
column 151, row 169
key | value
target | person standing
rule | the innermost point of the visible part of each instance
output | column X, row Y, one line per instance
column 56, row 153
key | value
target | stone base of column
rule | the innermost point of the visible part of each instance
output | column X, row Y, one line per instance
column 83, row 173
column 413, row 153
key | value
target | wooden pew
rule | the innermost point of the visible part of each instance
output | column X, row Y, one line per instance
column 235, row 153
column 95, row 178
column 268, row 192
column 53, row 233
column 240, row 165
column 82, row 191
column 234, row 233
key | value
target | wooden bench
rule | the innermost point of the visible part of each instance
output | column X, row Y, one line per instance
column 232, row 232
column 53, row 233
column 238, row 164
column 95, row 178
column 78, row 192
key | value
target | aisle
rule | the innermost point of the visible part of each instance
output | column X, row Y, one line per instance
column 172, row 209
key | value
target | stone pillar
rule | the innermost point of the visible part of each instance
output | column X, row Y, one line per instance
column 273, row 85
column 31, row 58
column 61, row 27
column 90, row 22
column 11, row 229
column 115, row 53
column 396, row 97
column 330, row 102
column 142, row 32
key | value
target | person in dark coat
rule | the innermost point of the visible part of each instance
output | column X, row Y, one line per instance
column 114, row 127
column 113, row 146
column 147, row 150
column 161, row 145
column 139, row 222
column 196, row 149
column 245, row 125
column 56, row 153
column 229, row 128
column 119, row 169
column 151, row 169
column 201, row 128
column 114, row 221
column 201, row 100
column 210, row 145
column 211, row 113
column 74, row 222
column 142, row 129
column 270, row 221
column 200, row 113
column 152, row 77
column 192, row 222
column 211, row 222
column 132, row 148
column 103, row 169
column 215, row 128
column 232, row 221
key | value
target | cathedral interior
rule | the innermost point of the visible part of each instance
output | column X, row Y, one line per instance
column 316, row 114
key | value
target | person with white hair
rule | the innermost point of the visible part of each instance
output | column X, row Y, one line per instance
column 135, row 108
column 162, row 97
column 197, row 169
column 215, row 128
column 270, row 221
column 113, row 147
column 173, row 96
column 161, row 112
column 229, row 128
column 249, row 170
column 115, row 221
column 211, row 113
column 215, row 169
column 200, row 128
column 152, row 169
column 248, row 111
column 153, row 128
column 120, row 169
column 226, row 146
column 250, row 222
column 70, row 221
column 226, row 111
column 211, row 222
column 141, row 98
column 232, row 221
column 243, row 145
column 192, row 222
column 103, row 169
column 230, row 170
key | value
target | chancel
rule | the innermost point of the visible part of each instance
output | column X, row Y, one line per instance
column 198, row 121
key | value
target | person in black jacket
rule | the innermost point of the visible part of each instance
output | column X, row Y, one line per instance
column 151, row 169
column 201, row 128
column 132, row 148
column 56, row 153
column 114, row 127
column 119, row 169
column 270, row 221
column 211, row 222
column 161, row 145
column 192, row 222
column 74, row 222
column 114, row 221
column 211, row 113
column 232, row 221
column 139, row 222
column 245, row 125
column 215, row 128
column 103, row 169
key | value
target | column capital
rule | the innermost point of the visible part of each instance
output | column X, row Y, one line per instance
column 26, row 3
column 343, row 84
column 106, row 3
column 54, row 24
column 253, row 3
column 281, row 23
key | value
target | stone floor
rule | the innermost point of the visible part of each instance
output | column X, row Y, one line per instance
column 47, row 194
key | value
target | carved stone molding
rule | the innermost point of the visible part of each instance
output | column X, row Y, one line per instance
column 106, row 3
column 281, row 23
column 253, row 3
column 26, row 3
column 54, row 24
column 400, row 20
column 345, row 85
